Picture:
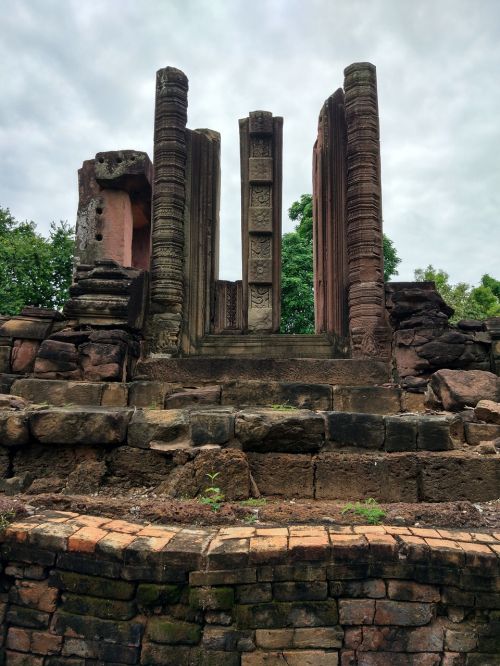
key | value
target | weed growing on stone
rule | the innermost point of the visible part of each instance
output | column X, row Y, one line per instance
column 368, row 509
column 251, row 519
column 282, row 407
column 254, row 501
column 5, row 519
column 213, row 497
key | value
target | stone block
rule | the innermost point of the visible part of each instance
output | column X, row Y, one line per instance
column 475, row 433
column 79, row 425
column 403, row 613
column 361, row 430
column 172, row 632
column 410, row 591
column 367, row 399
column 291, row 658
column 211, row 598
column 59, row 393
column 30, row 618
column 94, row 586
column 287, row 614
column 401, row 433
column 57, row 360
column 287, row 475
column 14, row 429
column 446, row 478
column 254, row 593
column 356, row 611
column 108, row 631
column 170, row 426
column 387, row 478
column 130, row 466
column 255, row 393
column 103, row 361
column 190, row 397
column 212, row 426
column 107, row 609
column 227, row 640
column 23, row 356
column 150, row 395
column 114, row 395
column 5, row 351
column 436, row 433
column 402, row 639
column 300, row 591
column 282, row 431
column 150, row 595
column 488, row 411
column 413, row 402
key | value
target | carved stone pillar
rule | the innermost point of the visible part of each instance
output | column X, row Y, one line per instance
column 261, row 139
column 329, row 223
column 169, row 197
column 201, row 267
column 367, row 324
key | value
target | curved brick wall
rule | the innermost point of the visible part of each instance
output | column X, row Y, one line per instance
column 85, row 590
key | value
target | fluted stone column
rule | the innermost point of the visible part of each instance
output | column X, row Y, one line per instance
column 261, row 138
column 169, row 198
column 367, row 325
column 329, row 219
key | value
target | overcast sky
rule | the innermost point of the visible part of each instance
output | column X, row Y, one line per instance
column 77, row 77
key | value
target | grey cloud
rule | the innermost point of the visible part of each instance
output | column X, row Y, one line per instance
column 79, row 77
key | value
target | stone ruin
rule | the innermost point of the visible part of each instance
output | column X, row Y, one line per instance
column 157, row 373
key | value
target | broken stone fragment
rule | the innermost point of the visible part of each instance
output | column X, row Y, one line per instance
column 487, row 448
column 13, row 428
column 488, row 411
column 456, row 389
column 9, row 401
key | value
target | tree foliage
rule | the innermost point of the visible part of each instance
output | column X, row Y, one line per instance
column 297, row 282
column 34, row 270
column 468, row 302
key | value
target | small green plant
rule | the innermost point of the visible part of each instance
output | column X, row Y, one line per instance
column 213, row 496
column 251, row 519
column 368, row 509
column 5, row 519
column 282, row 406
column 254, row 501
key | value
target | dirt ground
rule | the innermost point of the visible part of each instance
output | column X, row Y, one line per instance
column 140, row 507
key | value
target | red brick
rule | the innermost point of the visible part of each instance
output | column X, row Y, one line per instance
column 307, row 548
column 19, row 639
column 35, row 594
column 267, row 548
column 86, row 539
column 350, row 547
column 122, row 526
column 44, row 643
column 446, row 552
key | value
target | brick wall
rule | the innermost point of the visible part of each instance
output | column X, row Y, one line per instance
column 85, row 590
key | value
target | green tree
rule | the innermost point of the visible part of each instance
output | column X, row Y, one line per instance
column 297, row 290
column 34, row 270
column 468, row 302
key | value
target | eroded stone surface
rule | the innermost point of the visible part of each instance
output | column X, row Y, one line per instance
column 280, row 430
column 456, row 389
column 79, row 425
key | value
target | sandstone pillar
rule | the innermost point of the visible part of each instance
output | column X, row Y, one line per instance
column 261, row 139
column 367, row 325
column 169, row 197
column 114, row 209
column 329, row 223
column 201, row 267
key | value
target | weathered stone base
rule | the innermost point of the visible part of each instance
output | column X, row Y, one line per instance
column 341, row 372
column 86, row 590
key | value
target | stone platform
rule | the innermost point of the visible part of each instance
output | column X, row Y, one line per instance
column 84, row 589
column 345, row 372
column 278, row 451
column 273, row 346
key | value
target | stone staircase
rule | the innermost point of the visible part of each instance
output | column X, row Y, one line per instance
column 277, row 438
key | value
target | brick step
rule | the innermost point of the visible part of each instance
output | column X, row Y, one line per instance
column 238, row 393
